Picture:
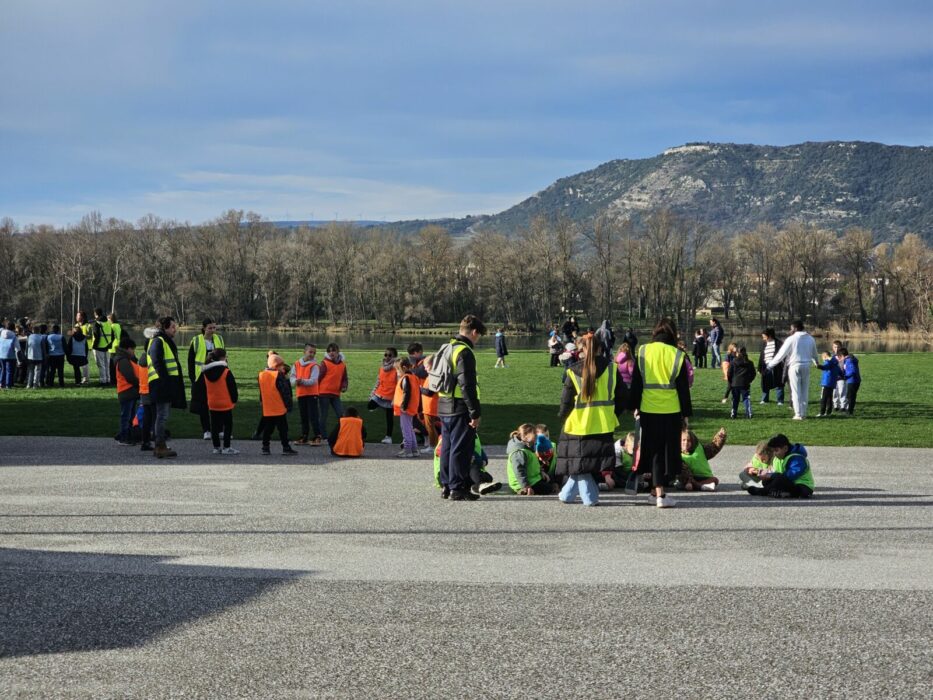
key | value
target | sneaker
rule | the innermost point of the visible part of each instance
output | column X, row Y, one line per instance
column 289, row 451
column 707, row 487
column 125, row 443
column 764, row 402
column 780, row 403
column 756, row 491
column 230, row 451
column 265, row 451
column 602, row 486
column 445, row 493
column 798, row 418
column 403, row 453
column 301, row 441
column 748, row 414
column 724, row 400
column 463, row 496
column 820, row 415
column 489, row 487
column 665, row 501
column 731, row 413
column 746, row 479
column 216, row 450
column 426, row 450
column 207, row 435
column 387, row 440
column 316, row 442
column 145, row 447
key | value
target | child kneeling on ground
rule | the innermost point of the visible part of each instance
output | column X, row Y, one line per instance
column 483, row 482
column 526, row 475
column 349, row 437
column 696, row 474
column 791, row 476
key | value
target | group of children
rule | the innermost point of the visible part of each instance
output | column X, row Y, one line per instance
column 840, row 381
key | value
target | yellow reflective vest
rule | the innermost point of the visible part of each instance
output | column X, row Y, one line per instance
column 596, row 416
column 200, row 351
column 659, row 364
column 457, row 347
column 171, row 362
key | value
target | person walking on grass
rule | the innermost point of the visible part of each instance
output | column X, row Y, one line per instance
column 715, row 340
column 798, row 353
column 501, row 348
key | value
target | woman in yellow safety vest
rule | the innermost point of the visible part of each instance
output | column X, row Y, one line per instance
column 591, row 401
column 660, row 395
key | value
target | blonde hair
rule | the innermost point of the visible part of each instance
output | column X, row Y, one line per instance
column 543, row 428
column 402, row 364
column 692, row 437
column 764, row 451
column 733, row 348
column 525, row 432
column 588, row 373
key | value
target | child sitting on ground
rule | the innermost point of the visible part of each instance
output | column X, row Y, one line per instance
column 696, row 474
column 349, row 437
column 759, row 466
column 483, row 483
column 625, row 458
column 791, row 476
column 527, row 475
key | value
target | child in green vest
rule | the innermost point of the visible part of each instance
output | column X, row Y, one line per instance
column 527, row 476
column 483, row 483
column 696, row 474
column 791, row 477
column 625, row 457
column 759, row 466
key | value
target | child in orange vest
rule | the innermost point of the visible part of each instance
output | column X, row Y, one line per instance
column 221, row 391
column 383, row 393
column 333, row 382
column 275, row 396
column 305, row 377
column 349, row 437
column 127, row 387
column 405, row 404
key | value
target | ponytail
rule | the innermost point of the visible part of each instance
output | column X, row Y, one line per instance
column 588, row 374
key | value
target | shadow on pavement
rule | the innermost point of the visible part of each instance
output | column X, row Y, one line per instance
column 56, row 602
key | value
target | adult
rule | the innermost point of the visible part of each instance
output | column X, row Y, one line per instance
column 554, row 346
column 166, row 385
column 459, row 412
column 201, row 345
column 605, row 338
column 570, row 329
column 8, row 345
column 116, row 335
column 100, row 344
column 798, row 353
column 630, row 338
column 76, row 351
column 590, row 404
column 770, row 378
column 660, row 395
column 715, row 340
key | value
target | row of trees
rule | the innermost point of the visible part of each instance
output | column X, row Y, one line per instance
column 239, row 268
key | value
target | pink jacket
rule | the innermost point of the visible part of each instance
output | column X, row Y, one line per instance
column 625, row 363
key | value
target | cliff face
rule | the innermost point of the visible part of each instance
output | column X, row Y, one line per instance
column 888, row 189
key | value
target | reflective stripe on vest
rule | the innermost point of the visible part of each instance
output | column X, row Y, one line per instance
column 659, row 364
column 272, row 403
column 303, row 372
column 218, row 395
column 414, row 396
column 458, row 347
column 597, row 416
column 334, row 372
column 171, row 362
column 200, row 350
column 349, row 438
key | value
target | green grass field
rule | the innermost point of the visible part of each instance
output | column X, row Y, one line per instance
column 893, row 409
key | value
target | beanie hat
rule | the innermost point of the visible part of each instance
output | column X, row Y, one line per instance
column 274, row 360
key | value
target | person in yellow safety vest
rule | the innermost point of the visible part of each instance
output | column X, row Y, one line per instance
column 116, row 335
column 100, row 343
column 591, row 401
column 166, row 385
column 660, row 397
column 199, row 348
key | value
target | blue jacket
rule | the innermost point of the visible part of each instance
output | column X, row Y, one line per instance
column 35, row 347
column 501, row 349
column 831, row 372
column 8, row 345
column 853, row 376
column 56, row 344
column 715, row 335
column 796, row 465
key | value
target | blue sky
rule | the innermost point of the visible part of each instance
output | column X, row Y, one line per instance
column 395, row 110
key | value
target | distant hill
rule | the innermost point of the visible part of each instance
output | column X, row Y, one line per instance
column 834, row 185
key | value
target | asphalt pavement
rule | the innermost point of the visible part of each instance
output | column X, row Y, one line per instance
column 250, row 576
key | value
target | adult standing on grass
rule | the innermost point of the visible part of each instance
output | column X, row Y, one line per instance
column 592, row 398
column 116, row 335
column 201, row 346
column 715, row 340
column 100, row 344
column 770, row 378
column 166, row 385
column 660, row 396
column 459, row 412
column 798, row 353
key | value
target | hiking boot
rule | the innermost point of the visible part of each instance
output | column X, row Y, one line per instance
column 163, row 452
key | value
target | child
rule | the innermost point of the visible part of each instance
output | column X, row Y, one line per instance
column 405, row 405
column 305, row 375
column 569, row 356
column 626, row 363
column 127, row 387
column 526, row 475
column 682, row 346
column 56, row 357
column 759, row 466
column 853, row 378
column 35, row 358
column 501, row 349
column 333, row 382
column 348, row 439
column 699, row 349
column 383, row 392
column 221, row 391
column 696, row 474
column 741, row 374
column 544, row 448
column 275, row 398
column 145, row 414
column 724, row 365
column 625, row 458
column 791, row 476
column 553, row 347
column 76, row 352
column 483, row 483
column 828, row 380
column 429, row 404
column 839, row 391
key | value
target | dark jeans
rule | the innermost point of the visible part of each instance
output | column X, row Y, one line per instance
column 205, row 415
column 456, row 451
column 146, row 425
column 779, row 486
column 741, row 393
column 127, row 411
column 270, row 423
column 221, row 422
column 310, row 417
column 555, row 359
column 826, row 400
column 851, row 392
column 7, row 372
column 56, row 365
column 325, row 402
column 390, row 422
